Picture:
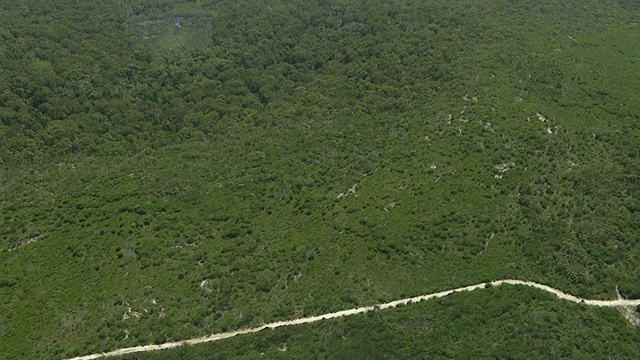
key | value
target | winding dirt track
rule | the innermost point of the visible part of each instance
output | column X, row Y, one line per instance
column 220, row 336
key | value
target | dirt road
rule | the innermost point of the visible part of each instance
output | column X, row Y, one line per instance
column 220, row 336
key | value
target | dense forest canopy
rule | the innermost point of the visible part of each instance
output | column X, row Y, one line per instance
column 170, row 169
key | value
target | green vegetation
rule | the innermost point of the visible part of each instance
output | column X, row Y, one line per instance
column 178, row 167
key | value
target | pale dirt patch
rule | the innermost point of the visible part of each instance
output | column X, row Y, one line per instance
column 488, row 241
column 505, row 167
column 128, row 314
column 553, row 129
column 27, row 241
column 352, row 190
column 390, row 205
column 631, row 314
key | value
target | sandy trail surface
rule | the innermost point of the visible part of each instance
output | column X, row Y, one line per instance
column 622, row 303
